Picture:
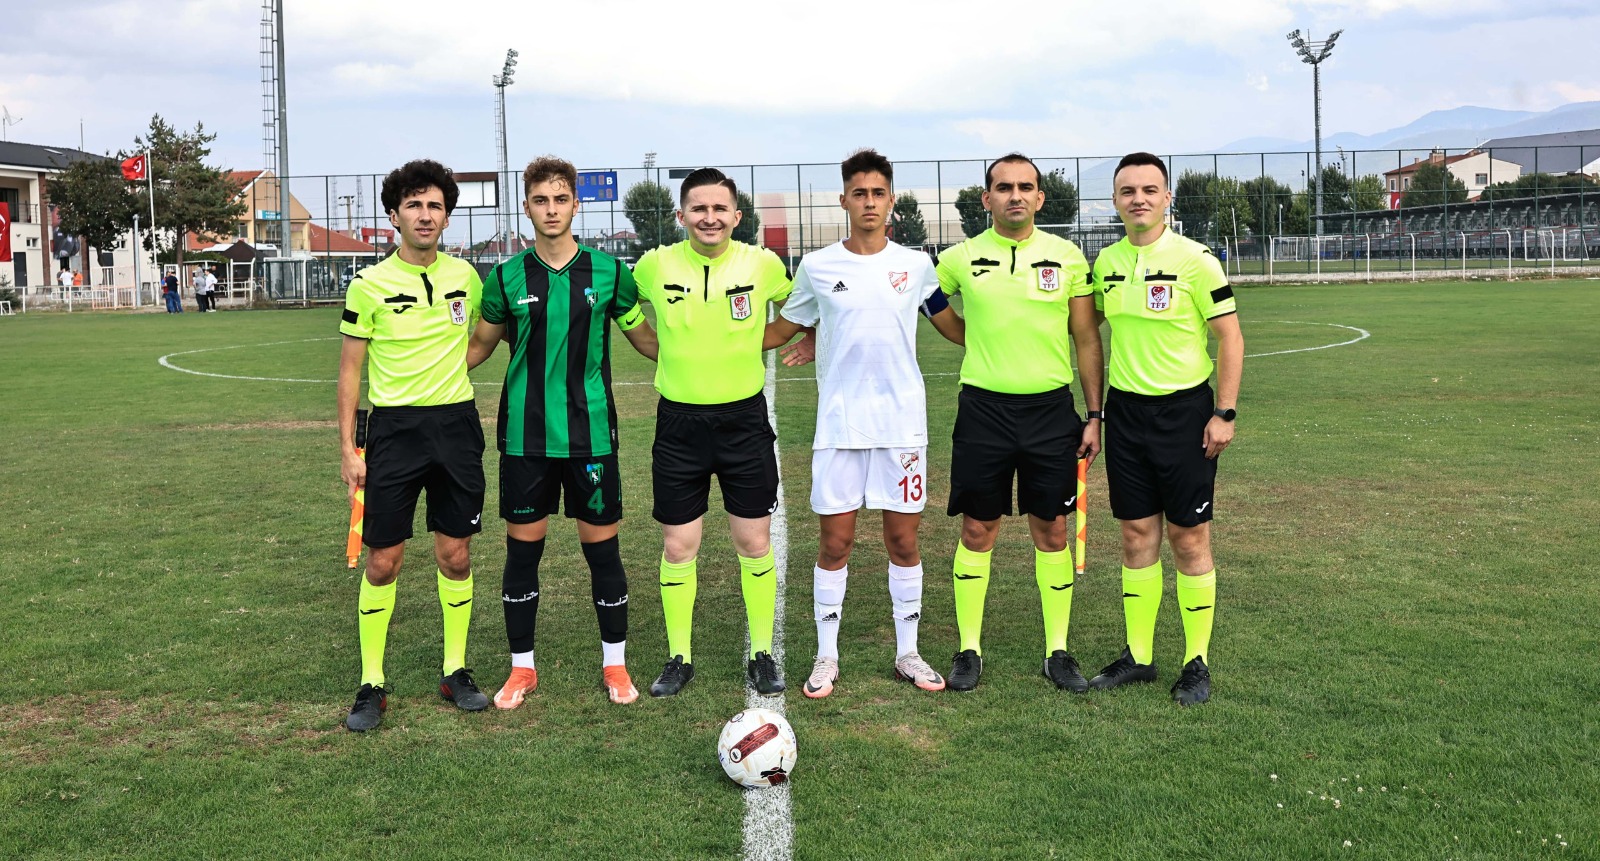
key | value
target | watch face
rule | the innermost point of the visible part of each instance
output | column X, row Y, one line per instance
column 1225, row 415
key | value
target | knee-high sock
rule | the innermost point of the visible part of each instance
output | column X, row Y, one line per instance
column 827, row 596
column 905, row 594
column 1197, row 599
column 608, row 585
column 519, row 597
column 455, row 599
column 758, row 580
column 677, row 605
column 1053, row 571
column 971, row 587
column 1141, row 599
column 374, row 607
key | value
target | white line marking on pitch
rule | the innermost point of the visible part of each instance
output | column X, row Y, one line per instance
column 1361, row 337
column 768, row 820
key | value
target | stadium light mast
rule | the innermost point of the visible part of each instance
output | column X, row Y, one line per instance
column 1312, row 53
column 503, row 213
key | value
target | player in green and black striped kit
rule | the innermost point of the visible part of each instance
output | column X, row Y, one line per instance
column 558, row 421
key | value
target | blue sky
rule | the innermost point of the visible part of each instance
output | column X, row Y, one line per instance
column 373, row 84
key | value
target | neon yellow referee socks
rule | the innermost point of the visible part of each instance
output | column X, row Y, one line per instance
column 1197, row 599
column 678, row 589
column 455, row 599
column 971, row 588
column 374, row 606
column 758, row 580
column 1053, row 571
column 1141, row 599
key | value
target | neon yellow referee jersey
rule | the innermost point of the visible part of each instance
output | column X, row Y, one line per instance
column 416, row 321
column 1015, row 301
column 1158, row 300
column 711, row 314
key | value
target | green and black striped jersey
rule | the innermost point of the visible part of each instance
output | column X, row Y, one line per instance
column 557, row 399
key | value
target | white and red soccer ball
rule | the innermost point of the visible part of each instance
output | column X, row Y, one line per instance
column 757, row 748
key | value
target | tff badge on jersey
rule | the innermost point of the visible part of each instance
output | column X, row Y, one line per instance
column 1159, row 297
column 740, row 305
column 900, row 281
column 458, row 311
column 1049, row 279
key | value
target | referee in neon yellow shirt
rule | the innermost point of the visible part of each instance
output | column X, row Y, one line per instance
column 1162, row 295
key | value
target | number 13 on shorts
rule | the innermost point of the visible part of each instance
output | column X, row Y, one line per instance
column 890, row 479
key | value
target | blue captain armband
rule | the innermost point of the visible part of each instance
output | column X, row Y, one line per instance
column 934, row 304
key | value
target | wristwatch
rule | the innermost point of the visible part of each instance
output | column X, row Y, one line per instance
column 1095, row 414
column 1225, row 415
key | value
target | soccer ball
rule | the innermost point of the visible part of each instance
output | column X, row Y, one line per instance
column 757, row 748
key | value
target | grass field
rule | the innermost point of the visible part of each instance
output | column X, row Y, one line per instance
column 1404, row 660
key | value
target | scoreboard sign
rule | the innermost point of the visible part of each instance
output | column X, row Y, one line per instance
column 597, row 185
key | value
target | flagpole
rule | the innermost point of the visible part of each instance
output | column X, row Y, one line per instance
column 150, row 177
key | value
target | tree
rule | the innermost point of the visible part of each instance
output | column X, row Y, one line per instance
column 1540, row 185
column 1060, row 198
column 969, row 205
column 190, row 195
column 649, row 206
column 1368, row 193
column 94, row 202
column 1432, row 185
column 909, row 228
column 749, row 229
column 1265, row 196
column 1192, row 205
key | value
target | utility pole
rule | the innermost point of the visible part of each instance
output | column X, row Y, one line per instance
column 503, row 212
column 1313, row 53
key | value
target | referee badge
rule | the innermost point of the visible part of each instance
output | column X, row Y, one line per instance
column 1049, row 279
column 458, row 311
column 1158, row 297
column 741, row 306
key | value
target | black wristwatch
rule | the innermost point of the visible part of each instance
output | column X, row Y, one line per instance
column 1225, row 415
column 1095, row 414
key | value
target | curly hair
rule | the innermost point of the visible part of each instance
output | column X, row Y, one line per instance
column 546, row 168
column 416, row 177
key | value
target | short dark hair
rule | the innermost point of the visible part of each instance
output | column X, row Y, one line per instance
column 703, row 177
column 1011, row 158
column 416, row 177
column 1141, row 159
column 546, row 168
column 866, row 161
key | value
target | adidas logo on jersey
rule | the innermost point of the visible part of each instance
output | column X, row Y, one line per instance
column 840, row 288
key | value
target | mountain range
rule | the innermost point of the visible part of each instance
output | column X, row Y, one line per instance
column 1455, row 128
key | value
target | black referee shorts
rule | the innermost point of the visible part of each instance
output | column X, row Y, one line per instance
column 1156, row 458
column 1034, row 437
column 531, row 486
column 732, row 441
column 411, row 449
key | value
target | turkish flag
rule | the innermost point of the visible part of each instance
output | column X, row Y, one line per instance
column 136, row 167
column 5, row 233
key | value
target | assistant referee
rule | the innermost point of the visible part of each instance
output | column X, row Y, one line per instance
column 1162, row 295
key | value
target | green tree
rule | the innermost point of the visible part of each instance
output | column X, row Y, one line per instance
column 1432, row 185
column 191, row 196
column 94, row 202
column 749, row 229
column 1539, row 185
column 649, row 207
column 1368, row 193
column 1060, row 198
column 1265, row 196
column 969, row 205
column 909, row 228
column 1192, row 205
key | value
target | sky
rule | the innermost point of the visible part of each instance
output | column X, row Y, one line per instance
column 373, row 84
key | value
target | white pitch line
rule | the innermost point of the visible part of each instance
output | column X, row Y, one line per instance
column 768, row 820
column 1361, row 337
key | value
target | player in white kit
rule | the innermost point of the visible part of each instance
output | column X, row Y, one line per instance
column 864, row 295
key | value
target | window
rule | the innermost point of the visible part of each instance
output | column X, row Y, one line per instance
column 1394, row 185
column 1480, row 179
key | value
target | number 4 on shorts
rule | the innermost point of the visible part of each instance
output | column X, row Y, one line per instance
column 597, row 502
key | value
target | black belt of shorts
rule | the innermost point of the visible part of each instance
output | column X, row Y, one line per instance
column 757, row 399
column 1030, row 398
column 1170, row 397
column 433, row 409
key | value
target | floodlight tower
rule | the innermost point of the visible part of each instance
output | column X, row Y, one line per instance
column 1313, row 53
column 503, row 212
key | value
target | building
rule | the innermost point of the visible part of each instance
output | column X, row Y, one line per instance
column 1558, row 153
column 26, row 171
column 1477, row 170
column 260, row 223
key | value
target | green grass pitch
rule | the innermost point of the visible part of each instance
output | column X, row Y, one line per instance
column 1404, row 659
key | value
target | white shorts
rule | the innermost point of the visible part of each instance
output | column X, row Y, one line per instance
column 891, row 479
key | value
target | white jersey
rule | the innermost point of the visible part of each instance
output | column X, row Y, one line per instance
column 865, row 308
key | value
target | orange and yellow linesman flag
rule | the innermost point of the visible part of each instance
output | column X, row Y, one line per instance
column 1082, row 515
column 358, row 508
